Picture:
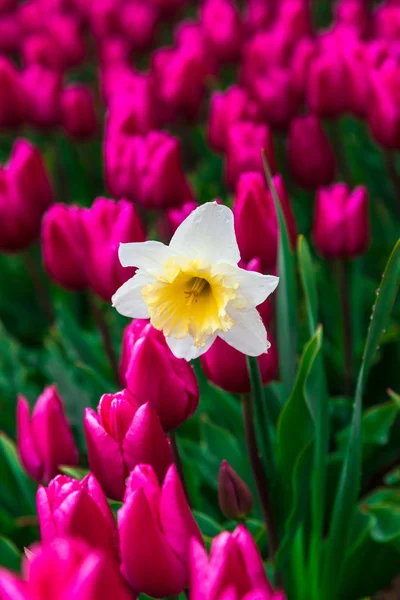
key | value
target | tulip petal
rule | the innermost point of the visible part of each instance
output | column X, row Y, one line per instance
column 185, row 348
column 208, row 233
column 105, row 457
column 27, row 450
column 251, row 556
column 248, row 335
column 199, row 571
column 145, row 442
column 176, row 518
column 149, row 256
column 128, row 299
column 11, row 588
column 147, row 561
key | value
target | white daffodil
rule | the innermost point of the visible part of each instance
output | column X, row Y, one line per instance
column 193, row 289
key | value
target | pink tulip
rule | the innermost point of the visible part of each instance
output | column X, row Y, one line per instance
column 245, row 142
column 341, row 221
column 132, row 103
column 25, row 193
column 173, row 217
column 234, row 569
column 69, row 507
column 223, row 29
column 234, row 496
column 65, row 569
column 327, row 83
column 10, row 33
column 105, row 225
column 311, row 157
column 387, row 21
column 154, row 375
column 383, row 104
column 159, row 521
column 43, row 90
column 78, row 112
column 45, row 440
column 122, row 435
column 258, row 15
column 354, row 14
column 231, row 106
column 62, row 250
column 300, row 63
column 12, row 98
column 138, row 23
column 256, row 222
column 276, row 96
column 227, row 368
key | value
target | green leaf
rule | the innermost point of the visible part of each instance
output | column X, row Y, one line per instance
column 307, row 274
column 286, row 303
column 208, row 527
column 17, row 490
column 74, row 472
column 10, row 557
column 348, row 489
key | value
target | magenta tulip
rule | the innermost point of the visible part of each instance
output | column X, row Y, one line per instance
column 155, row 528
column 341, row 222
column 154, row 375
column 65, row 569
column 223, row 29
column 12, row 99
column 69, row 507
column 43, row 88
column 44, row 440
column 78, row 115
column 122, row 435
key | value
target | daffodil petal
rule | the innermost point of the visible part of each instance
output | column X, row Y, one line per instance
column 128, row 299
column 248, row 335
column 185, row 348
column 149, row 256
column 253, row 287
column 208, row 233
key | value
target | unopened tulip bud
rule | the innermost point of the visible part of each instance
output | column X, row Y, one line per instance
column 257, row 16
column 169, row 222
column 310, row 155
column 158, row 518
column 43, row 88
column 69, row 507
column 383, row 105
column 62, row 251
column 154, row 375
column 256, row 223
column 12, row 97
column 78, row 112
column 138, row 23
column 276, row 96
column 104, row 226
column 327, row 83
column 354, row 14
column 341, row 222
column 25, row 193
column 243, row 153
column 223, row 29
column 44, row 440
column 124, row 435
column 234, row 496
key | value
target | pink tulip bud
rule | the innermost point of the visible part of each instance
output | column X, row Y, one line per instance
column 266, row 49
column 341, row 222
column 245, row 142
column 226, row 108
column 227, row 368
column 310, row 155
column 105, row 225
column 138, row 23
column 180, row 74
column 160, row 522
column 327, row 83
column 257, row 16
column 43, row 89
column 354, row 14
column 154, row 375
column 78, row 112
column 294, row 18
column 234, row 566
column 69, row 507
column 302, row 57
column 44, row 440
column 276, row 97
column 12, row 99
column 162, row 182
column 25, row 193
column 10, row 33
column 65, row 568
column 256, row 223
column 191, row 34
column 114, row 50
column 173, row 217
column 223, row 29
column 387, row 21
column 383, row 104
column 124, row 435
column 234, row 496
column 169, row 8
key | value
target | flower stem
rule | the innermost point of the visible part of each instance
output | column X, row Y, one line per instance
column 344, row 292
column 39, row 284
column 259, row 474
column 178, row 463
column 105, row 335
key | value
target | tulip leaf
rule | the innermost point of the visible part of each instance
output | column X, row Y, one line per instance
column 10, row 557
column 17, row 490
column 208, row 527
column 349, row 484
column 74, row 472
column 286, row 299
